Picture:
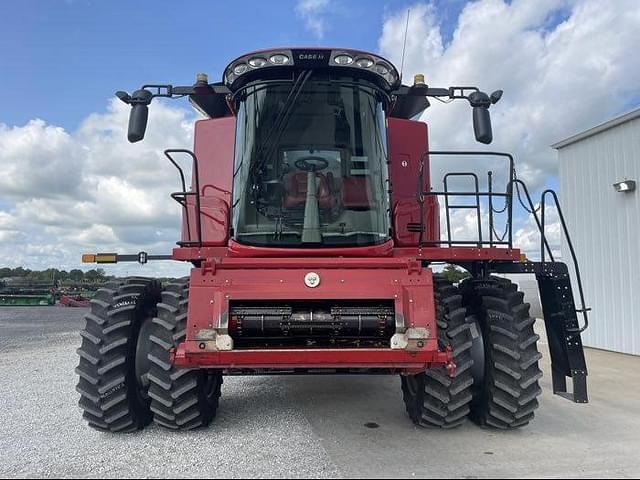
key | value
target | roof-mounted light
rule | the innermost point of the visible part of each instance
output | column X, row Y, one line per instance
column 240, row 68
column 382, row 69
column 279, row 59
column 257, row 62
column 343, row 59
column 368, row 62
column 365, row 62
column 311, row 59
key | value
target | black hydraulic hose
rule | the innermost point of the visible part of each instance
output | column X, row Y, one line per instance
column 533, row 212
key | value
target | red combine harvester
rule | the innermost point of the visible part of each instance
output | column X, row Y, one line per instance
column 313, row 229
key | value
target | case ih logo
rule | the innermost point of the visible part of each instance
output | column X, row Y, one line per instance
column 311, row 56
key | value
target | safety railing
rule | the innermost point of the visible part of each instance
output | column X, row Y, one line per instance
column 494, row 239
column 545, row 248
column 182, row 197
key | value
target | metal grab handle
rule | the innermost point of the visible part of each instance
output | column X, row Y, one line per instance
column 185, row 193
column 583, row 309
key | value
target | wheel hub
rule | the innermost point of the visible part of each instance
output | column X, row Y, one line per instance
column 142, row 362
column 478, row 355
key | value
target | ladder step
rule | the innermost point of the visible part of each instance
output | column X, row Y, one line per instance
column 565, row 343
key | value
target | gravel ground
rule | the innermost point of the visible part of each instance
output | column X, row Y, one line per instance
column 297, row 426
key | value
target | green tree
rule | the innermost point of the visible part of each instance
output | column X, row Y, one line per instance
column 20, row 272
column 76, row 275
column 455, row 274
column 95, row 275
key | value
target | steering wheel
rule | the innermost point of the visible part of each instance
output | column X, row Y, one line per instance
column 311, row 163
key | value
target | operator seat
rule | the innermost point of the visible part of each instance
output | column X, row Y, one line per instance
column 357, row 193
column 296, row 190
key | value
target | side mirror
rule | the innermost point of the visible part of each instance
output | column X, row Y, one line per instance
column 482, row 125
column 139, row 114
column 481, row 102
column 137, row 122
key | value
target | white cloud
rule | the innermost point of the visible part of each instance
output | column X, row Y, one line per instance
column 557, row 80
column 527, row 237
column 313, row 13
column 64, row 193
column 26, row 154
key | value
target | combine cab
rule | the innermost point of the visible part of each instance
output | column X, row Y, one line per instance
column 313, row 227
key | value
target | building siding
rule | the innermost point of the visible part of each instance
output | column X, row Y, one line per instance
column 605, row 230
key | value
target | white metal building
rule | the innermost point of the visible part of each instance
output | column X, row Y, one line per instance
column 603, row 216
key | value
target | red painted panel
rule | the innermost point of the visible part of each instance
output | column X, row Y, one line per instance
column 214, row 147
column 313, row 358
column 408, row 148
column 453, row 254
column 408, row 285
column 215, row 221
column 212, row 286
column 239, row 250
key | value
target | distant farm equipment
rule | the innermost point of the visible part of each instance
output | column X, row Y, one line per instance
column 17, row 292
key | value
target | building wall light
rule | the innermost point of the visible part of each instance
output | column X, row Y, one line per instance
column 626, row 186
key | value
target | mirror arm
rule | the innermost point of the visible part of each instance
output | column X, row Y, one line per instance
column 453, row 93
column 169, row 91
column 479, row 101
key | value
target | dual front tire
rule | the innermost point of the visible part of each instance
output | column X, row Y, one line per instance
column 126, row 379
column 488, row 325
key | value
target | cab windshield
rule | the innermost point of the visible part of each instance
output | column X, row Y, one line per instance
column 311, row 164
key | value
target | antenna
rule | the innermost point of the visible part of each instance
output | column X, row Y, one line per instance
column 404, row 47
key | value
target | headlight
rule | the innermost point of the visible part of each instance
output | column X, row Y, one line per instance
column 257, row 62
column 364, row 62
column 343, row 59
column 240, row 68
column 382, row 69
column 279, row 59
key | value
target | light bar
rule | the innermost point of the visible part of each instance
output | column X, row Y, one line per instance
column 311, row 59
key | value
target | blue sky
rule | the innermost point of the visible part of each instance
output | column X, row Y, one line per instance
column 63, row 59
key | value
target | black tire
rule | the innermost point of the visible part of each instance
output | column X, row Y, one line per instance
column 181, row 399
column 433, row 398
column 506, row 395
column 110, row 392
